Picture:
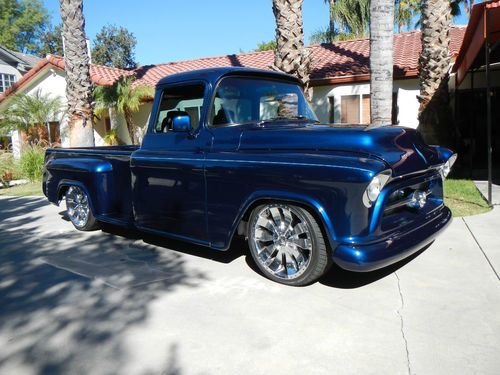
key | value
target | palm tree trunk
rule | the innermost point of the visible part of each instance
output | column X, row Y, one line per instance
column 291, row 56
column 78, row 82
column 331, row 26
column 381, row 64
column 130, row 126
column 434, row 111
column 47, row 124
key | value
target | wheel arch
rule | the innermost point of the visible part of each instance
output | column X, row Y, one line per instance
column 65, row 184
column 310, row 204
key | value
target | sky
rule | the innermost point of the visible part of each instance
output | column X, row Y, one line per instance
column 173, row 30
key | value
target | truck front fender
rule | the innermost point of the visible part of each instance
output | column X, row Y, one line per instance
column 262, row 196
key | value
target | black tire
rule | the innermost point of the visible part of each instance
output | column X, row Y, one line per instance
column 79, row 209
column 315, row 260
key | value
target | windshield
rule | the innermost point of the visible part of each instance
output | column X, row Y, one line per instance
column 243, row 100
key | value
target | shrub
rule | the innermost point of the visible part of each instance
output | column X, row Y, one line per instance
column 9, row 169
column 31, row 163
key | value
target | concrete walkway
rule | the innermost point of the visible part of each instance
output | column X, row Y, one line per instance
column 482, row 186
column 117, row 302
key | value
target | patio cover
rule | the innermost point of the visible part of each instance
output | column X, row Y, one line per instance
column 479, row 48
column 483, row 27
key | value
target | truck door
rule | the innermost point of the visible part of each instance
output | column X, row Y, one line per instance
column 168, row 170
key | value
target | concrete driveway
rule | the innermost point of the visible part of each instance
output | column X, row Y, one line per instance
column 116, row 302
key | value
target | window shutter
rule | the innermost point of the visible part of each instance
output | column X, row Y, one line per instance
column 349, row 109
column 366, row 118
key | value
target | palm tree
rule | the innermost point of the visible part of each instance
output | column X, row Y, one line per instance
column 291, row 56
column 26, row 112
column 434, row 111
column 381, row 65
column 78, row 82
column 331, row 24
column 404, row 13
column 349, row 19
column 125, row 98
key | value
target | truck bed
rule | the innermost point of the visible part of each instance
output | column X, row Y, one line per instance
column 104, row 171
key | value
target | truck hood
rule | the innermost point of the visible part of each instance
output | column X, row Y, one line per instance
column 402, row 149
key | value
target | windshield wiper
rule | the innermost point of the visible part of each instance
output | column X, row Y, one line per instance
column 280, row 118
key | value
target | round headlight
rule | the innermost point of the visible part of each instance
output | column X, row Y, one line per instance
column 375, row 187
column 446, row 167
column 373, row 190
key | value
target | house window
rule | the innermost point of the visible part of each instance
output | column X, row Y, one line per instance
column 355, row 109
column 365, row 109
column 349, row 109
column 6, row 80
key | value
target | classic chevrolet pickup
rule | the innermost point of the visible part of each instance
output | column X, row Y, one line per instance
column 234, row 151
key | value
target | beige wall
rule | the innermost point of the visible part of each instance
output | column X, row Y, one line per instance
column 407, row 90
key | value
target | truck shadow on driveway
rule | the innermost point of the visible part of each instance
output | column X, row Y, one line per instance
column 336, row 277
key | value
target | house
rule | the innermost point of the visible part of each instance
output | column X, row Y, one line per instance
column 13, row 65
column 339, row 78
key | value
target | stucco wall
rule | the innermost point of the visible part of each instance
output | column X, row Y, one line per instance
column 52, row 81
column 407, row 99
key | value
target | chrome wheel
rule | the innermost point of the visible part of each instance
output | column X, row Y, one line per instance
column 282, row 241
column 77, row 205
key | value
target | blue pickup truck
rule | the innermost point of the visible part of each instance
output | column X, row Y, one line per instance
column 235, row 151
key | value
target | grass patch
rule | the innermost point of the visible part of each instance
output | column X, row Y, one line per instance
column 463, row 198
column 29, row 189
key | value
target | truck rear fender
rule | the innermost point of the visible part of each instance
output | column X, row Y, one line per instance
column 94, row 176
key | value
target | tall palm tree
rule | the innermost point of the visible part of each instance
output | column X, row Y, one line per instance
column 404, row 13
column 331, row 24
column 434, row 111
column 349, row 19
column 26, row 112
column 381, row 61
column 125, row 98
column 291, row 56
column 78, row 82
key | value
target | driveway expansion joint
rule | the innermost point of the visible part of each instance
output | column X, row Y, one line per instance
column 480, row 248
column 400, row 314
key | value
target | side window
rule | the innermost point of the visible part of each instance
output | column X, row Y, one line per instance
column 180, row 100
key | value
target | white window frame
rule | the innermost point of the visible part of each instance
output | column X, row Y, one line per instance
column 7, row 78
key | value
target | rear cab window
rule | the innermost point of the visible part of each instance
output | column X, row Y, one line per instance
column 180, row 100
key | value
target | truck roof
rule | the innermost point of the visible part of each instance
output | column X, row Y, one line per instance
column 212, row 75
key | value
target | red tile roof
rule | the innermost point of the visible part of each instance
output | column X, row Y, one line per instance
column 332, row 63
column 345, row 61
column 100, row 75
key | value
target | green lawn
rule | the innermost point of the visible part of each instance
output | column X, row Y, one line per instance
column 463, row 198
column 29, row 189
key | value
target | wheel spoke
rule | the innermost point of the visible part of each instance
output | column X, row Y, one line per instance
column 267, row 224
column 299, row 229
column 275, row 213
column 283, row 263
column 263, row 235
column 271, row 258
column 303, row 243
column 287, row 215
